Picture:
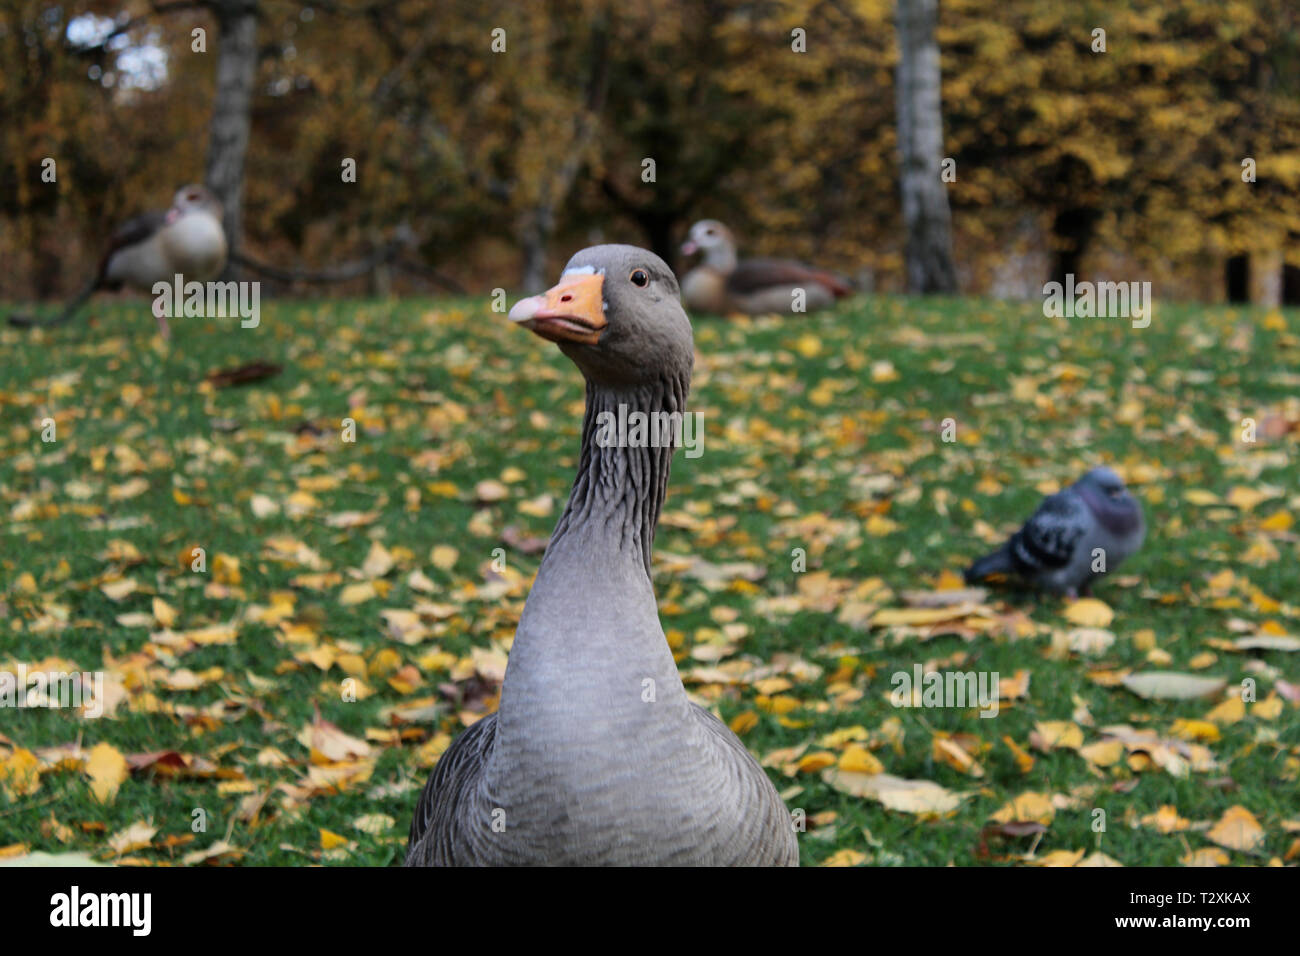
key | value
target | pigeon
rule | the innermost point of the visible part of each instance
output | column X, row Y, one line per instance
column 1076, row 535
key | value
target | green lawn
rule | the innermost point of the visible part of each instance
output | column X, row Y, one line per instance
column 821, row 434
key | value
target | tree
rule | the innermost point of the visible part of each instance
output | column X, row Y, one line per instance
column 550, row 187
column 1110, row 137
column 926, row 216
column 231, row 121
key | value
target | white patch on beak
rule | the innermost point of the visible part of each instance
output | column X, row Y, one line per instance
column 525, row 309
column 580, row 271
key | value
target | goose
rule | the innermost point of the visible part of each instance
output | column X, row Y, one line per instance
column 723, row 283
column 596, row 756
column 186, row 239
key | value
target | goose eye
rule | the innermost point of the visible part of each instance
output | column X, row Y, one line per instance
column 640, row 278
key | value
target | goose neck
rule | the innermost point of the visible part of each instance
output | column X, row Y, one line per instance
column 628, row 438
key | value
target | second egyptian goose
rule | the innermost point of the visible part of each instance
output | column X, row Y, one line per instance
column 724, row 283
column 187, row 240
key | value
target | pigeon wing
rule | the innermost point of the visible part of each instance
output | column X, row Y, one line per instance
column 1048, row 539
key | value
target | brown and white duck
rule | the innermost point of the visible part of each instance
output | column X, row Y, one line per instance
column 596, row 756
column 724, row 283
column 187, row 240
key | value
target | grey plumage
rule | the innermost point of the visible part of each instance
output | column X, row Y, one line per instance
column 1094, row 523
column 596, row 756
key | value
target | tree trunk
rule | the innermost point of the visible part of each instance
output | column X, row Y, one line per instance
column 659, row 231
column 926, row 216
column 47, row 263
column 229, row 129
column 1072, row 231
column 538, row 226
column 1290, row 284
column 380, row 281
column 659, row 224
column 1236, row 278
column 539, row 221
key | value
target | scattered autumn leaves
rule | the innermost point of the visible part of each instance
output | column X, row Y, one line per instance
column 352, row 606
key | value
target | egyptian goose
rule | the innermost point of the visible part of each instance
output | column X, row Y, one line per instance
column 156, row 246
column 722, row 283
column 596, row 756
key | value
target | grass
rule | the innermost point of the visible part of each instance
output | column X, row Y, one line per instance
column 821, row 434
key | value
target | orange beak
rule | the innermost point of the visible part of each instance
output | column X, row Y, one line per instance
column 571, row 311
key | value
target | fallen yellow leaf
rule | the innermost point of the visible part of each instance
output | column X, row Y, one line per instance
column 816, row 761
column 1237, row 829
column 163, row 613
column 444, row 557
column 1029, row 807
column 1230, row 711
column 1089, row 612
column 1059, row 733
column 1166, row 820
column 1195, row 730
column 1024, row 759
column 1103, row 753
column 329, row 840
column 845, row 858
column 858, row 759
column 20, row 774
column 922, row 797
column 135, row 837
column 107, row 769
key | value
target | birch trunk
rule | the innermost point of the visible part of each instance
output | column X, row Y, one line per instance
column 229, row 129
column 926, row 216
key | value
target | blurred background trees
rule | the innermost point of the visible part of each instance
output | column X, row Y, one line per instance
column 586, row 120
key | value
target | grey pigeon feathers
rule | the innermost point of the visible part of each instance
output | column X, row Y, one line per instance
column 1076, row 535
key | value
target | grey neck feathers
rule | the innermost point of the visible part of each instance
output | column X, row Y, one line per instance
column 619, row 491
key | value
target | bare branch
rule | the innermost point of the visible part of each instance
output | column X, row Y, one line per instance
column 155, row 9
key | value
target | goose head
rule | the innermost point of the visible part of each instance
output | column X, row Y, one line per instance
column 714, row 241
column 193, row 198
column 617, row 314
